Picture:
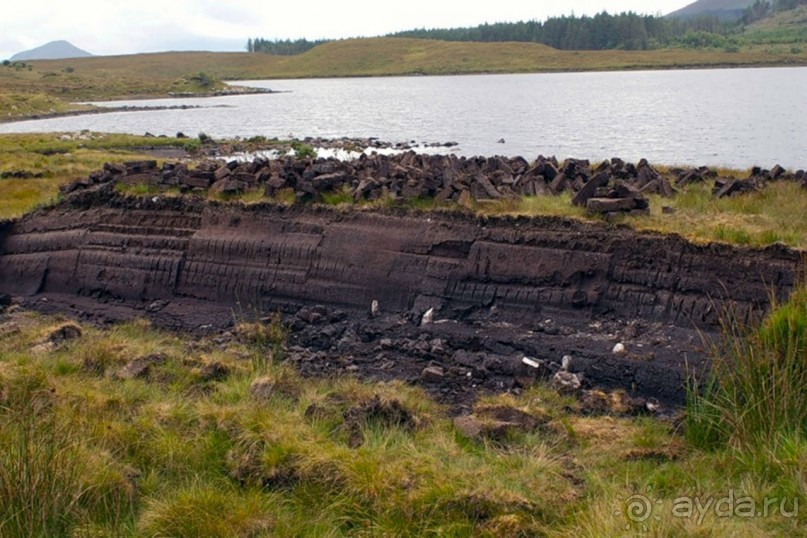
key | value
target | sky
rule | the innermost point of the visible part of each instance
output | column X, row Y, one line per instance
column 107, row 27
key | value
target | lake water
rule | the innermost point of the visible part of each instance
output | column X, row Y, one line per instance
column 732, row 117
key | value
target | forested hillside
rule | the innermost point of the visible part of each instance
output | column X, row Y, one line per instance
column 627, row 31
column 604, row 31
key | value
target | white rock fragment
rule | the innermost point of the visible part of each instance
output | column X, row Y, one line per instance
column 566, row 362
column 374, row 308
column 619, row 349
column 531, row 362
column 428, row 317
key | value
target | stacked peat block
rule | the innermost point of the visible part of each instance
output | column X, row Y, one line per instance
column 690, row 176
column 404, row 176
column 130, row 173
column 621, row 198
column 612, row 187
column 618, row 189
column 757, row 180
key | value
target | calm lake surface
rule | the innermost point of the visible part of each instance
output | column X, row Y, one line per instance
column 731, row 117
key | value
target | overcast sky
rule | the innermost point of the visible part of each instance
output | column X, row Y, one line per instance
column 132, row 26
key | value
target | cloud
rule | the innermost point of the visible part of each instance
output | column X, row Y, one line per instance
column 126, row 27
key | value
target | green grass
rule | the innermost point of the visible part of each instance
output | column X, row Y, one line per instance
column 175, row 453
column 16, row 106
column 754, row 396
column 54, row 159
column 560, row 205
column 774, row 215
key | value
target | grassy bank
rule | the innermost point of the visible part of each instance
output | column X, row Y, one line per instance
column 773, row 215
column 130, row 431
column 57, row 83
column 33, row 166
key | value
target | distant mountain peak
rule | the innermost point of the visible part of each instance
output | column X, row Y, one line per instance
column 54, row 50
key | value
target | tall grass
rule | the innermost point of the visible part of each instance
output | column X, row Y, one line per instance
column 755, row 394
column 178, row 453
column 40, row 471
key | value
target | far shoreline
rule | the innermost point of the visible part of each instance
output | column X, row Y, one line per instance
column 244, row 89
column 247, row 90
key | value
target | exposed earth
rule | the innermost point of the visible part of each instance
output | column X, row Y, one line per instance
column 446, row 299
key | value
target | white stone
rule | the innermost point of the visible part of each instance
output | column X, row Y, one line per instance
column 428, row 317
column 566, row 362
column 531, row 362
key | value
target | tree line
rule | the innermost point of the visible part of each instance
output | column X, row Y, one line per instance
column 604, row 31
column 282, row 47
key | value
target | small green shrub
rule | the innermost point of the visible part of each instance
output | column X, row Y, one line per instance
column 191, row 145
column 785, row 329
column 270, row 334
column 303, row 150
column 202, row 79
column 732, row 235
column 338, row 197
column 138, row 189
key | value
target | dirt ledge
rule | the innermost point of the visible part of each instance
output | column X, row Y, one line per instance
column 460, row 299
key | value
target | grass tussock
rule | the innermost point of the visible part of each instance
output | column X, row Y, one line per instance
column 215, row 510
column 131, row 431
column 754, row 395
